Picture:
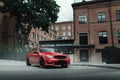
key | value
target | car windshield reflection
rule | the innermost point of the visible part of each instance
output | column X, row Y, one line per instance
column 47, row 50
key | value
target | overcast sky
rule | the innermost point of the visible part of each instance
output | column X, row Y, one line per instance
column 66, row 11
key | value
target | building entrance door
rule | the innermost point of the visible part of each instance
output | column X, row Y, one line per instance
column 84, row 56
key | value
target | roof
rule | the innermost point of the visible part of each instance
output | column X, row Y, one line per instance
column 63, row 22
column 89, row 2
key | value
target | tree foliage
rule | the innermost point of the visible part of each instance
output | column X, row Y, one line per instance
column 40, row 13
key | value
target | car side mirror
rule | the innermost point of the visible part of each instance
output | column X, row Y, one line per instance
column 35, row 52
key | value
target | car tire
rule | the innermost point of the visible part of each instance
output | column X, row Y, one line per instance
column 27, row 62
column 64, row 66
column 41, row 63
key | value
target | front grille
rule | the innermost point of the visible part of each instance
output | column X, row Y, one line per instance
column 60, row 57
column 60, row 62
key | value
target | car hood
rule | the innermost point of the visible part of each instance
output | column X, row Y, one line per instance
column 54, row 54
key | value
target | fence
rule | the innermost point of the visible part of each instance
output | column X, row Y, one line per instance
column 13, row 52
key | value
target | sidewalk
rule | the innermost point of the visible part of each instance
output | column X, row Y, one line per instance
column 104, row 65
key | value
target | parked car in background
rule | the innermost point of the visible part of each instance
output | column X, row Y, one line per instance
column 47, row 57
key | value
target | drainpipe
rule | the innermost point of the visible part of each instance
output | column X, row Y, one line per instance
column 111, row 26
column 89, row 39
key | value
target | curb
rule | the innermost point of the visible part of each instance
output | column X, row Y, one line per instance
column 98, row 65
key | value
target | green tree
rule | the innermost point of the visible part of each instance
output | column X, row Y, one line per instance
column 39, row 13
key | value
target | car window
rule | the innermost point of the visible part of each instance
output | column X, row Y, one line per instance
column 47, row 50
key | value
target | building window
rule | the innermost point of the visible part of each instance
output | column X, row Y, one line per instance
column 37, row 37
column 101, row 17
column 41, row 38
column 83, row 38
column 103, row 37
column 69, row 27
column 69, row 33
column 57, row 34
column 33, row 35
column 119, row 36
column 82, row 19
column 50, row 34
column 63, row 34
column 63, row 28
column 51, row 27
column 118, row 15
column 56, row 28
column 32, row 44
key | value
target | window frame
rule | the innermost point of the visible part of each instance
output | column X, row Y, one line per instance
column 69, row 27
column 33, row 35
column 101, row 16
column 83, row 38
column 103, row 37
column 56, row 28
column 69, row 33
column 82, row 19
column 118, row 34
column 118, row 15
column 63, row 34
column 63, row 27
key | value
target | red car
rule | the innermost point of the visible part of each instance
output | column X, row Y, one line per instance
column 47, row 57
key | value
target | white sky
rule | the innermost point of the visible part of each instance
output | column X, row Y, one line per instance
column 66, row 11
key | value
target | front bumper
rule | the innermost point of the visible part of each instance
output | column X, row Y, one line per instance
column 52, row 62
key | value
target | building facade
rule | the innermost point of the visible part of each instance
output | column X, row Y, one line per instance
column 65, row 30
column 37, row 35
column 9, row 36
column 97, row 26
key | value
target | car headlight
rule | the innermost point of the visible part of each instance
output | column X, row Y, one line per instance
column 49, row 56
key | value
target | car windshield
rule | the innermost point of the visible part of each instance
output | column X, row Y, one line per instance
column 47, row 50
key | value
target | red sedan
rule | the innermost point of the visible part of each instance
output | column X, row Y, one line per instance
column 47, row 57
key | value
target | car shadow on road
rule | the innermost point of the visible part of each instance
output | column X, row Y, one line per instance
column 50, row 67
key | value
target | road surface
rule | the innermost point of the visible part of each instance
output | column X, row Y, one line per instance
column 16, row 70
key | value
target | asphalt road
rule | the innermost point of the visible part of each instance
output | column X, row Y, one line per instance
column 16, row 70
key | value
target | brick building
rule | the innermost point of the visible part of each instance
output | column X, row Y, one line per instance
column 8, row 36
column 97, row 26
column 37, row 35
column 65, row 30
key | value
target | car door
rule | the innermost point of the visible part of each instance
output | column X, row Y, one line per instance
column 36, row 57
column 31, row 57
